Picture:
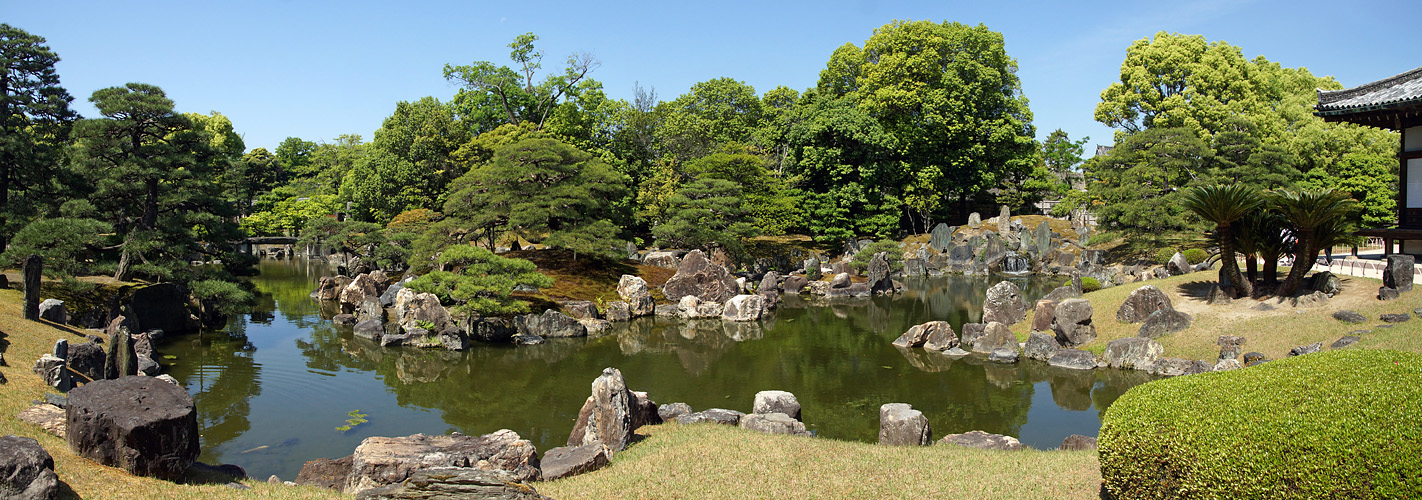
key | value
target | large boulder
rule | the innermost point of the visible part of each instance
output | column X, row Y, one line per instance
column 26, row 470
column 901, row 425
column 971, row 333
column 1137, row 353
column 1398, row 272
column 644, row 410
column 776, row 402
column 1004, row 304
column 1040, row 346
column 671, row 411
column 995, row 335
column 412, row 308
column 919, row 335
column 370, row 309
column 1164, row 322
column 720, row 416
column 606, row 416
column 618, row 310
column 698, row 276
column 1141, row 302
column 380, row 461
column 1073, row 359
column 879, row 280
column 143, row 425
column 87, row 358
column 163, row 306
column 1071, row 322
column 773, row 423
column 326, row 473
column 982, row 440
column 358, row 289
column 581, row 309
column 570, row 461
column 795, row 284
column 53, row 310
column 1043, row 314
column 1178, row 265
column 661, row 259
column 634, row 291
column 744, row 308
column 769, row 283
column 941, row 238
column 550, row 324
column 450, row 483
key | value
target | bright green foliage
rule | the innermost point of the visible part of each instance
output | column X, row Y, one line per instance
column 1223, row 205
column 66, row 244
column 34, row 122
column 541, row 189
column 1060, row 158
column 1089, row 284
column 1195, row 255
column 361, row 239
column 714, row 113
column 410, row 164
column 948, row 102
column 294, row 155
column 892, row 253
column 1368, row 178
column 706, row 213
column 838, row 152
column 1138, row 183
column 154, row 177
column 494, row 95
column 1317, row 217
column 1338, row 424
column 1162, row 256
column 479, row 283
column 288, row 216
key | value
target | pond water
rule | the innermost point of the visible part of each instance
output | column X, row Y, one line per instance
column 272, row 389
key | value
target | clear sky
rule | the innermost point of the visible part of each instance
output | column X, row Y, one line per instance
column 318, row 69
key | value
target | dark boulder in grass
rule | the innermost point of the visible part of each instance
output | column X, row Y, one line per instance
column 1338, row 424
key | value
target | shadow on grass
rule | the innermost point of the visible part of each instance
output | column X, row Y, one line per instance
column 1195, row 290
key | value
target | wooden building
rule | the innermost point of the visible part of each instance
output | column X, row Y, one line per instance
column 1393, row 103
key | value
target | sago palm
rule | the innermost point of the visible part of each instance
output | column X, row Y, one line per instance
column 1307, row 212
column 1223, row 205
column 1263, row 235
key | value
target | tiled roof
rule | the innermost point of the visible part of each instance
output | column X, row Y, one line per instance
column 1385, row 93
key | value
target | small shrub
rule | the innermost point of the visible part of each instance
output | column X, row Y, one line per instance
column 1163, row 255
column 1089, row 284
column 1339, row 424
column 893, row 253
column 1196, row 255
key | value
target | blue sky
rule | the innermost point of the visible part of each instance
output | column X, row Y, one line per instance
column 316, row 70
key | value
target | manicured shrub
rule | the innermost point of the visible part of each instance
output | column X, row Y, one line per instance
column 1196, row 255
column 1339, row 424
column 1163, row 255
column 1089, row 284
column 893, row 254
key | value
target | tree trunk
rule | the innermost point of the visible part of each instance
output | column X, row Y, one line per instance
column 1251, row 267
column 1304, row 256
column 1230, row 266
column 33, row 267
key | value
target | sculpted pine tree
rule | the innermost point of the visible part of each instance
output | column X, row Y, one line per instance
column 542, row 190
column 151, row 174
column 34, row 121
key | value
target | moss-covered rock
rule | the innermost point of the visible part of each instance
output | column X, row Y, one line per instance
column 1341, row 424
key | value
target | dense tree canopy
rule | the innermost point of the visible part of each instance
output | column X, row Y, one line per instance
column 34, row 124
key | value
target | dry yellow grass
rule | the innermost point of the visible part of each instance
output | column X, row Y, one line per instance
column 706, row 461
column 1273, row 332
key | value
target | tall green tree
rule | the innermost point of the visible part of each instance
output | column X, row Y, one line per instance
column 154, row 178
column 34, row 124
column 492, row 95
column 948, row 97
column 1138, row 184
column 541, row 190
column 714, row 113
column 706, row 213
column 409, row 165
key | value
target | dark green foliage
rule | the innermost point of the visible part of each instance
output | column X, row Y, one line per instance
column 1139, row 182
column 375, row 247
column 34, row 122
column 153, row 176
column 1222, row 205
column 475, row 282
column 223, row 297
column 706, row 213
column 67, row 245
column 1339, row 424
column 892, row 253
column 541, row 189
column 410, row 164
column 1316, row 218
column 1162, row 256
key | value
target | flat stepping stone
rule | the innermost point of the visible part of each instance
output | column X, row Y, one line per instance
column 1395, row 318
column 1345, row 342
column 1359, row 332
column 1349, row 317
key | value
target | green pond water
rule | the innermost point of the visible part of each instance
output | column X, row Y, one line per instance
column 273, row 387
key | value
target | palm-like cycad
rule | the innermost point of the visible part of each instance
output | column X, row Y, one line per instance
column 1308, row 211
column 1263, row 235
column 1223, row 205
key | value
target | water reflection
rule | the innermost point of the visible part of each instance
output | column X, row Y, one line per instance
column 835, row 356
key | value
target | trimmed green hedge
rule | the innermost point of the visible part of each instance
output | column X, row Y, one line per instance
column 1089, row 284
column 1195, row 255
column 1163, row 255
column 1338, row 424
